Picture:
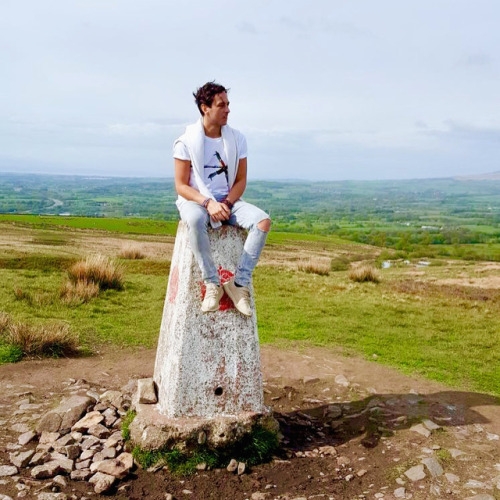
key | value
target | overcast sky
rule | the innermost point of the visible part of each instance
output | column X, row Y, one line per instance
column 325, row 89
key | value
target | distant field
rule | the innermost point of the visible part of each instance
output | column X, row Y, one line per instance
column 120, row 225
column 413, row 216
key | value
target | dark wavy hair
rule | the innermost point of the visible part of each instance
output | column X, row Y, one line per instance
column 206, row 94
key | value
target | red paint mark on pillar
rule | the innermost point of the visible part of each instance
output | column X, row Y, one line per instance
column 225, row 302
column 173, row 285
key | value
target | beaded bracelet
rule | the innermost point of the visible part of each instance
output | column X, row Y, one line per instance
column 228, row 203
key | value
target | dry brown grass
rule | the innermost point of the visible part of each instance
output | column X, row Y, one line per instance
column 78, row 293
column 317, row 265
column 363, row 273
column 424, row 288
column 97, row 269
column 52, row 339
column 131, row 251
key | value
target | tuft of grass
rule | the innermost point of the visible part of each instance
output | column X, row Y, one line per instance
column 34, row 299
column 52, row 339
column 127, row 420
column 319, row 265
column 364, row 273
column 10, row 353
column 340, row 263
column 78, row 293
column 132, row 252
column 98, row 269
column 443, row 455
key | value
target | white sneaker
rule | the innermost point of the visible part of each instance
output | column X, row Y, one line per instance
column 213, row 294
column 240, row 295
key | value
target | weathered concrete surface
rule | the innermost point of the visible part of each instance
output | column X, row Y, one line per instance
column 207, row 364
column 151, row 430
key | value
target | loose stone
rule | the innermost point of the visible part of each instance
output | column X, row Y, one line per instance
column 26, row 438
column 49, row 437
column 87, row 454
column 415, row 473
column 21, row 459
column 84, row 464
column 89, row 420
column 102, row 482
column 146, row 393
column 431, row 425
column 328, row 450
column 89, row 442
column 400, row 493
column 342, row 380
column 241, row 468
column 99, row 431
column 233, row 465
column 433, row 466
column 421, row 430
column 451, row 478
column 20, row 428
column 60, row 481
column 118, row 467
column 45, row 471
column 80, row 475
column 40, row 458
column 104, row 454
column 8, row 470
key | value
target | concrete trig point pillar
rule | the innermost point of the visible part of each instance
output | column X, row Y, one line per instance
column 207, row 369
column 207, row 364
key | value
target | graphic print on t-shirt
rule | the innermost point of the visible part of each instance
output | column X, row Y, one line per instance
column 222, row 169
column 215, row 168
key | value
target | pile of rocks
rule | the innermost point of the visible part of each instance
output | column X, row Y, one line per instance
column 80, row 438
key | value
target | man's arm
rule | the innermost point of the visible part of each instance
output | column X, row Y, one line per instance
column 240, row 183
column 217, row 211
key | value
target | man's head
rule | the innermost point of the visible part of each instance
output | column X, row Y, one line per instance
column 205, row 95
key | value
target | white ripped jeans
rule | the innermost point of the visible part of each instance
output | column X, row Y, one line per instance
column 243, row 215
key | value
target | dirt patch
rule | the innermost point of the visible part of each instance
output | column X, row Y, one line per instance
column 487, row 282
column 366, row 411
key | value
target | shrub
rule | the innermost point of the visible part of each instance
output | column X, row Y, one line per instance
column 364, row 273
column 131, row 252
column 53, row 339
column 97, row 269
column 320, row 265
column 79, row 292
column 18, row 339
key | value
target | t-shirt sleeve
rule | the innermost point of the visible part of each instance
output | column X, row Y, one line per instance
column 242, row 146
column 181, row 151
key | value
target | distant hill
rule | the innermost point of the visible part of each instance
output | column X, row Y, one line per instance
column 492, row 176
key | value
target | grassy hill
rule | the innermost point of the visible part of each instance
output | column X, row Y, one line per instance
column 439, row 318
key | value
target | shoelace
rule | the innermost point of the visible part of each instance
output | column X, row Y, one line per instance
column 211, row 292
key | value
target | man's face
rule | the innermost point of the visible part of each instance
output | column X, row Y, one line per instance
column 218, row 113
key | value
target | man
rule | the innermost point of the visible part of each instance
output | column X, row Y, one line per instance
column 210, row 177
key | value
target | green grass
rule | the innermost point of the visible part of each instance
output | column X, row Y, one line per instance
column 10, row 353
column 253, row 449
column 455, row 341
column 446, row 336
column 127, row 226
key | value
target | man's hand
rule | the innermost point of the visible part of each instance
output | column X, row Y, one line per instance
column 218, row 211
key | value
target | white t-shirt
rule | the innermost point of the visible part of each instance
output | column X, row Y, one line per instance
column 215, row 176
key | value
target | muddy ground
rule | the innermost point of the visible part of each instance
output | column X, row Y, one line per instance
column 368, row 412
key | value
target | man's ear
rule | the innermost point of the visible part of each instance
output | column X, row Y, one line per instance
column 204, row 108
